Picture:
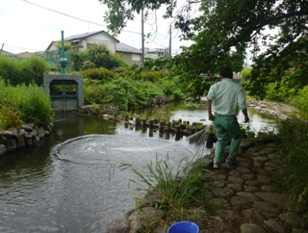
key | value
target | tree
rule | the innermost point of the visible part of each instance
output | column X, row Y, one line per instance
column 227, row 24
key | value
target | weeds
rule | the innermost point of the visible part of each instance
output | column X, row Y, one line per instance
column 180, row 191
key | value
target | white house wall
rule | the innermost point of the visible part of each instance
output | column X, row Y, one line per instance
column 53, row 47
column 101, row 39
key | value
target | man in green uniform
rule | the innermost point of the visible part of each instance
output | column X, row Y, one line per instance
column 226, row 96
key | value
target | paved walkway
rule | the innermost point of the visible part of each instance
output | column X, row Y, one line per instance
column 246, row 195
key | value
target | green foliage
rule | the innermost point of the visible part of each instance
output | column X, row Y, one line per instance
column 127, row 73
column 67, row 46
column 286, row 68
column 171, row 87
column 237, row 59
column 279, row 93
column 23, row 103
column 151, row 76
column 300, row 100
column 15, row 71
column 80, row 61
column 292, row 176
column 129, row 90
column 9, row 114
column 98, row 56
column 101, row 56
column 134, row 67
column 100, row 74
column 157, row 64
column 120, row 70
column 33, row 70
column 245, row 72
column 10, row 70
column 222, row 26
column 93, row 92
column 116, row 94
column 34, row 104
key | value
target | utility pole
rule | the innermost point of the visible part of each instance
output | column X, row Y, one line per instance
column 142, row 37
column 170, row 38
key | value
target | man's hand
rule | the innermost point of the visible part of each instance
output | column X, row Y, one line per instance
column 246, row 119
column 209, row 108
column 211, row 117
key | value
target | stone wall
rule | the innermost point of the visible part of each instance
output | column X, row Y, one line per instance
column 26, row 135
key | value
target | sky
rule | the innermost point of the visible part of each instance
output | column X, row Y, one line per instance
column 31, row 25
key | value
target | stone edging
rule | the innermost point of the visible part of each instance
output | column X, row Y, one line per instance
column 278, row 110
column 27, row 135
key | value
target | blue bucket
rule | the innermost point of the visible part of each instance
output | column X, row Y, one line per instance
column 184, row 227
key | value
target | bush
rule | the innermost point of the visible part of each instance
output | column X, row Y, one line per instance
column 35, row 105
column 33, row 70
column 93, row 92
column 102, row 57
column 10, row 70
column 23, row 103
column 291, row 179
column 100, row 74
column 151, row 76
column 245, row 72
column 115, row 94
column 15, row 71
column 170, row 87
column 9, row 114
column 120, row 70
column 300, row 100
column 78, row 59
column 127, row 73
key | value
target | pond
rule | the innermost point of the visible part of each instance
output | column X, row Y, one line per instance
column 70, row 181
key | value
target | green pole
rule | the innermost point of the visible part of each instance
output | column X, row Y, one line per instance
column 63, row 60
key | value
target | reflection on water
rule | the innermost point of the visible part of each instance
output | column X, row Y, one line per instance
column 72, row 189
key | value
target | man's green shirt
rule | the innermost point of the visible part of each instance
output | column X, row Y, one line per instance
column 227, row 96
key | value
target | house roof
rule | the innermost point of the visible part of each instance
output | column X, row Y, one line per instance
column 87, row 34
column 3, row 52
column 120, row 47
column 24, row 53
column 82, row 36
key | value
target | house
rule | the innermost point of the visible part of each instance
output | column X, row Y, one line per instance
column 5, row 53
column 156, row 53
column 129, row 54
column 24, row 54
column 86, row 40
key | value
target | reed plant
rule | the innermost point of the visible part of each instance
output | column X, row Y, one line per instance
column 292, row 179
column 181, row 190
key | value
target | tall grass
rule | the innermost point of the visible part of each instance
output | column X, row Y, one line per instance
column 292, row 179
column 178, row 189
column 23, row 104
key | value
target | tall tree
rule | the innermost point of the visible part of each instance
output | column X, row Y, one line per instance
column 223, row 25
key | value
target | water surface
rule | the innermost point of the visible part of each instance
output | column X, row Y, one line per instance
column 68, row 183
